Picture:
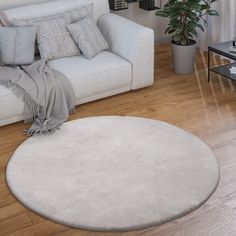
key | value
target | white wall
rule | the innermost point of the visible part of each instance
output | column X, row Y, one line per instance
column 147, row 18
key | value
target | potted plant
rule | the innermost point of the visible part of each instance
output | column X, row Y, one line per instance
column 186, row 17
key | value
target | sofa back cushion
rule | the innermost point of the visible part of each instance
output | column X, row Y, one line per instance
column 101, row 7
column 54, row 40
column 17, row 45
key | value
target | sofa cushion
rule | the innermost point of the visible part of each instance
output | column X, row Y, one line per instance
column 103, row 73
column 68, row 16
column 17, row 45
column 88, row 37
column 11, row 107
column 54, row 40
column 101, row 7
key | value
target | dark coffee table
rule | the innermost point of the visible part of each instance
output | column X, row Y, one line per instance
column 222, row 49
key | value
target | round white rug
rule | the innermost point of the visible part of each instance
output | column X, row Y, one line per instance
column 113, row 173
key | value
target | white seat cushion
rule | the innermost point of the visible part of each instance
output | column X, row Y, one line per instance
column 105, row 72
column 11, row 107
column 104, row 75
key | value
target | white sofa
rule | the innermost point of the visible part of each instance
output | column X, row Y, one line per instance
column 127, row 66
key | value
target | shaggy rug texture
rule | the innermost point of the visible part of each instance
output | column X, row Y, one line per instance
column 113, row 173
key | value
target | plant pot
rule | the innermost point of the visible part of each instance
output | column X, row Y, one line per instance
column 183, row 58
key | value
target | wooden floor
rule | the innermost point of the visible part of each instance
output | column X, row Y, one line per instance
column 208, row 110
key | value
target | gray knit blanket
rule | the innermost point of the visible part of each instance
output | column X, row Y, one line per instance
column 47, row 94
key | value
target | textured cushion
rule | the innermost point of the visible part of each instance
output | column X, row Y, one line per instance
column 54, row 40
column 88, row 37
column 17, row 45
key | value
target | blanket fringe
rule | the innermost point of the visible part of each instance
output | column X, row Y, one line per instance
column 71, row 111
column 36, row 109
column 38, row 131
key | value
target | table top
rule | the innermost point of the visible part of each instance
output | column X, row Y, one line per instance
column 223, row 49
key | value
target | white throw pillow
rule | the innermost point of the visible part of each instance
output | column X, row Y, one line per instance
column 88, row 37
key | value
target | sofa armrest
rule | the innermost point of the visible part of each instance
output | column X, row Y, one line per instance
column 133, row 42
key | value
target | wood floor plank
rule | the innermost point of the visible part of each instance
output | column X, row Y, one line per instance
column 208, row 110
column 203, row 222
column 20, row 221
column 11, row 210
column 45, row 228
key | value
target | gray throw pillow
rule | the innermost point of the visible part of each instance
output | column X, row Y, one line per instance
column 88, row 37
column 54, row 40
column 17, row 45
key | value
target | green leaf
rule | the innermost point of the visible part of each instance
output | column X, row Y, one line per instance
column 196, row 6
column 162, row 13
column 213, row 13
column 201, row 27
column 186, row 17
